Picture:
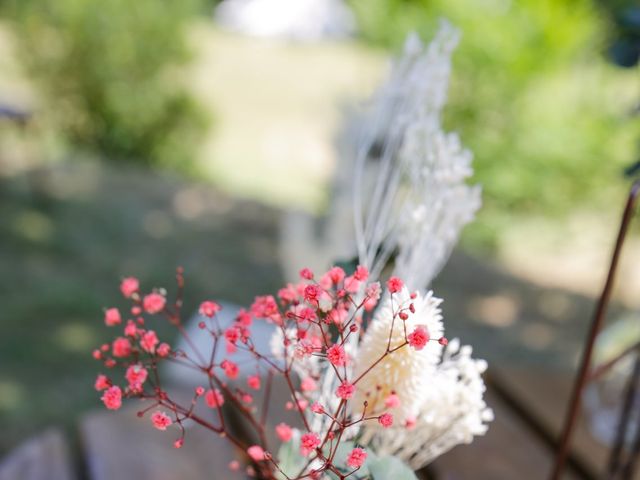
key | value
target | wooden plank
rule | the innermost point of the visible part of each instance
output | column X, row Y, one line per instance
column 544, row 396
column 119, row 445
column 45, row 457
column 507, row 452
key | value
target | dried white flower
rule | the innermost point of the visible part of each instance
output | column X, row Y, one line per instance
column 453, row 411
column 405, row 372
column 410, row 194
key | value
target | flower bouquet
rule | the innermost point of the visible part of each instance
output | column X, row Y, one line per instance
column 376, row 388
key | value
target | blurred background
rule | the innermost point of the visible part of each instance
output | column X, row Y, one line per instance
column 138, row 136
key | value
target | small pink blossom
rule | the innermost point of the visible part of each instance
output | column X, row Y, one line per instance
column 199, row 391
column 336, row 274
column 234, row 465
column 153, row 303
column 356, row 458
column 443, row 341
column 386, row 420
column 418, row 338
column 284, row 432
column 306, row 274
column 336, row 355
column 149, row 341
column 163, row 350
column 112, row 317
column 214, row 398
column 308, row 385
column 121, row 347
column 256, row 453
column 253, row 381
column 311, row 293
column 394, row 284
column 102, row 383
column 112, row 398
column 345, row 390
column 267, row 308
column 131, row 330
column 178, row 443
column 361, row 274
column 209, row 308
column 136, row 375
column 351, row 284
column 410, row 422
column 308, row 443
column 244, row 318
column 160, row 420
column 392, row 401
column 129, row 286
column 230, row 369
column 317, row 408
column 232, row 334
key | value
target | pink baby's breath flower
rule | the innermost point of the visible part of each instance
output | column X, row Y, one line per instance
column 112, row 317
column 230, row 369
column 209, row 308
column 199, row 391
column 178, row 443
column 136, row 375
column 160, row 420
column 392, row 401
column 306, row 274
column 308, row 385
column 345, row 390
column 102, row 383
column 317, row 408
column 336, row 274
column 112, row 398
column 351, row 284
column 129, row 286
column 418, row 338
column 264, row 306
column 443, row 341
column 121, row 347
column 361, row 274
column 410, row 422
column 308, row 443
column 394, row 284
column 356, row 458
column 386, row 420
column 232, row 334
column 163, row 350
column 311, row 293
column 153, row 303
column 149, row 341
column 253, row 381
column 284, row 432
column 244, row 318
column 256, row 453
column 131, row 330
column 336, row 355
column 214, row 398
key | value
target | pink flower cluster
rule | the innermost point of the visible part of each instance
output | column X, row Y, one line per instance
column 316, row 317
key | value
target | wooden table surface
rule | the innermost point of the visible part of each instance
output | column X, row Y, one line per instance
column 120, row 446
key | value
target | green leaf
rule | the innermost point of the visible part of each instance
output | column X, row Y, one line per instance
column 390, row 467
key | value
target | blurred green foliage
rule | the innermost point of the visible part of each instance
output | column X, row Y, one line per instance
column 109, row 75
column 532, row 95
